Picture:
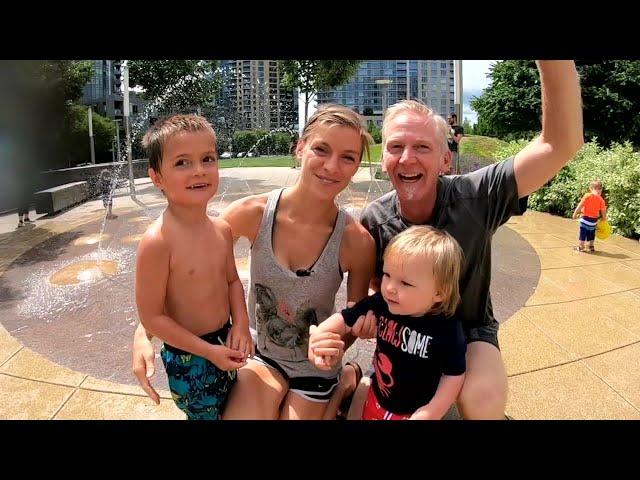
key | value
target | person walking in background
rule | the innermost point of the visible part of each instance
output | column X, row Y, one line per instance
column 455, row 135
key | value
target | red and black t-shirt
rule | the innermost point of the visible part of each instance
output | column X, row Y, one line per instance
column 412, row 354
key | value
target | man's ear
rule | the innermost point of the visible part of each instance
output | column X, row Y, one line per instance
column 445, row 162
column 383, row 165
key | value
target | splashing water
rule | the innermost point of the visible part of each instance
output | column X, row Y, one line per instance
column 67, row 286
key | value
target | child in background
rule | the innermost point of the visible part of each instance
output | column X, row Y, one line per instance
column 592, row 206
column 106, row 186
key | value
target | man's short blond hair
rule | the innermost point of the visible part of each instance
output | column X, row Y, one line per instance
column 155, row 138
column 330, row 114
column 415, row 106
column 443, row 252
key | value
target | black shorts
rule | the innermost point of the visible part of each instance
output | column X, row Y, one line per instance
column 484, row 333
column 314, row 389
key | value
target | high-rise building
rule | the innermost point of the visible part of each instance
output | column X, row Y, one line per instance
column 104, row 93
column 381, row 83
column 253, row 89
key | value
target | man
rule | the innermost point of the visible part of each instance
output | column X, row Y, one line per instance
column 455, row 135
column 471, row 207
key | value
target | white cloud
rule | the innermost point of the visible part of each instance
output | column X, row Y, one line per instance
column 474, row 80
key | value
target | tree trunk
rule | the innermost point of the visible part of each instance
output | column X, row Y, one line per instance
column 306, row 106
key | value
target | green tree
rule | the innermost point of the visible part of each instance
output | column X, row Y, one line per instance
column 63, row 80
column 310, row 76
column 42, row 97
column 510, row 107
column 76, row 136
column 610, row 93
column 375, row 131
column 511, row 103
column 243, row 140
column 468, row 127
column 178, row 84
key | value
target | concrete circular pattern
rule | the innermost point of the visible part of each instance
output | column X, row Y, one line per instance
column 82, row 272
column 88, row 326
column 92, row 239
column 139, row 219
column 135, row 238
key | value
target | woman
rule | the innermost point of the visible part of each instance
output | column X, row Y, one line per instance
column 299, row 255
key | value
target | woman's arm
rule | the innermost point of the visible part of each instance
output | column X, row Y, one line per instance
column 358, row 253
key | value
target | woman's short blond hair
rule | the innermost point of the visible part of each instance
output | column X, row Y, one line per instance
column 442, row 127
column 443, row 252
column 329, row 114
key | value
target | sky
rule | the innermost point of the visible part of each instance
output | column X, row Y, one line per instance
column 474, row 80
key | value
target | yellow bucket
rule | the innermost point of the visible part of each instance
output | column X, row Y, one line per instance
column 603, row 230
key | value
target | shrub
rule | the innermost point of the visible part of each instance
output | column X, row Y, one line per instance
column 262, row 142
column 617, row 167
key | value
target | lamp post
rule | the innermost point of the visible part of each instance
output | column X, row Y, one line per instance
column 408, row 79
column 93, row 152
column 457, row 95
column 132, row 187
column 457, row 100
column 118, row 155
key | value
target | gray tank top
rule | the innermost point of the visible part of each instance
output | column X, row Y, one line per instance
column 282, row 304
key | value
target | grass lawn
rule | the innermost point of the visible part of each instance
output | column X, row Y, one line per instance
column 374, row 153
column 472, row 145
column 271, row 161
column 479, row 146
column 281, row 160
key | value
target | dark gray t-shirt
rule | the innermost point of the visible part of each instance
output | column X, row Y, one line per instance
column 470, row 207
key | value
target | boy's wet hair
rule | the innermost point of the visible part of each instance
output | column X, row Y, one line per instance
column 330, row 114
column 163, row 129
column 597, row 184
column 442, row 250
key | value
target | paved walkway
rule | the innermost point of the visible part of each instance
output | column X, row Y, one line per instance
column 571, row 347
